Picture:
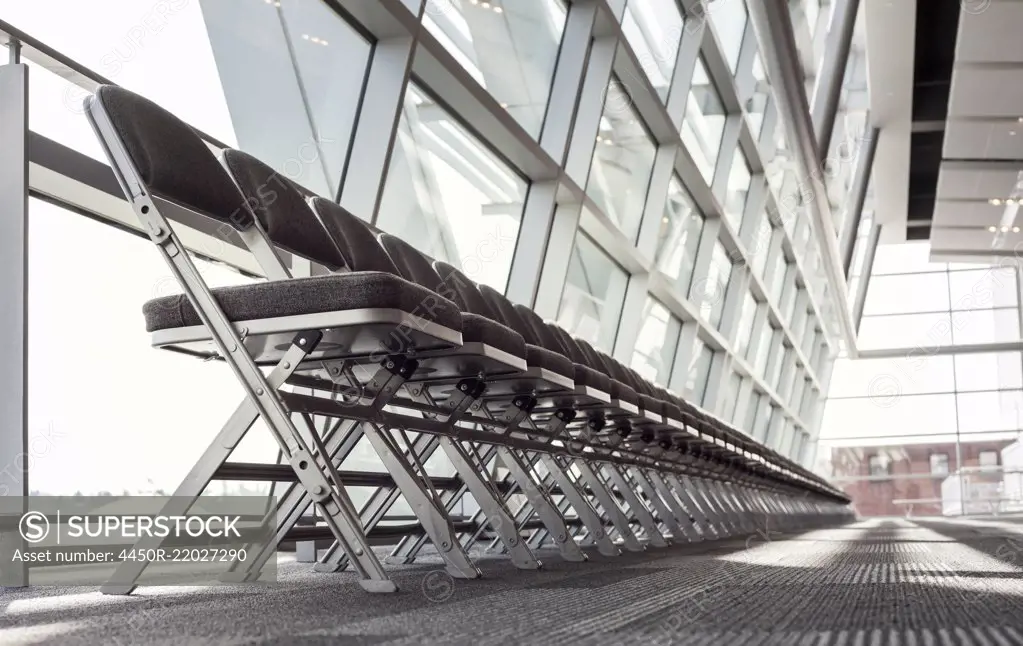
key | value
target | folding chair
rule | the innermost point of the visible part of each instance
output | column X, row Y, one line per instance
column 165, row 170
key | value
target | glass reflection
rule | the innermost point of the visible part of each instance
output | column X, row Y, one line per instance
column 449, row 195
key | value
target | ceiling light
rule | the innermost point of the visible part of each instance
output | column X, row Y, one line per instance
column 485, row 5
column 995, row 201
column 1015, row 229
column 498, row 10
column 599, row 138
column 992, row 229
column 305, row 36
column 1012, row 133
column 1005, row 229
column 1020, row 120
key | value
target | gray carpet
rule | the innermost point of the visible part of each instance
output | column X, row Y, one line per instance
column 883, row 582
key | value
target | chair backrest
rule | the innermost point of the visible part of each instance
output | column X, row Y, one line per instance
column 282, row 208
column 505, row 311
column 461, row 289
column 354, row 239
column 411, row 263
column 170, row 157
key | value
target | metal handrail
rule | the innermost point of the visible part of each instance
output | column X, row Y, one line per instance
column 71, row 71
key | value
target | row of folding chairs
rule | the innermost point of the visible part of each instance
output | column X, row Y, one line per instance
column 385, row 344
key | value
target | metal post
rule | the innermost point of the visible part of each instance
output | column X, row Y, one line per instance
column 773, row 25
column 857, row 197
column 831, row 74
column 14, row 294
column 868, row 265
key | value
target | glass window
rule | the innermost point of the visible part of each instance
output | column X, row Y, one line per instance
column 879, row 465
column 939, row 464
column 654, row 31
column 704, row 122
column 905, row 258
column 594, row 292
column 745, row 327
column 751, row 413
column 679, row 237
column 71, row 431
column 907, row 294
column 988, row 371
column 756, row 104
column 905, row 331
column 710, row 293
column 729, row 20
column 450, row 196
column 990, row 411
column 657, row 342
column 915, row 373
column 985, row 326
column 730, row 397
column 509, row 48
column 981, row 289
column 307, row 54
column 988, row 459
column 763, row 422
column 767, row 336
column 866, row 417
column 760, row 246
column 738, row 190
column 622, row 162
column 699, row 371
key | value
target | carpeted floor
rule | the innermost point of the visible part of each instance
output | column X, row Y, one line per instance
column 883, row 582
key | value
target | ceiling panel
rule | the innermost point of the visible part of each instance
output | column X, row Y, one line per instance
column 980, row 241
column 977, row 180
column 991, row 34
column 973, row 214
column 995, row 139
column 986, row 90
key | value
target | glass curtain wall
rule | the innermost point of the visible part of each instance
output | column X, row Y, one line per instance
column 905, row 433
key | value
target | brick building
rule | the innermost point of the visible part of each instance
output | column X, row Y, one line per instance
column 901, row 480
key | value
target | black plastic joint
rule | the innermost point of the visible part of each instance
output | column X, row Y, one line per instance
column 525, row 403
column 623, row 431
column 308, row 340
column 400, row 365
column 647, row 436
column 565, row 414
column 596, row 423
column 473, row 388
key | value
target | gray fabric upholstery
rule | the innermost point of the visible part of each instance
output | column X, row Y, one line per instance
column 335, row 292
column 544, row 358
column 354, row 239
column 476, row 328
column 171, row 158
column 281, row 207
column 461, row 289
column 411, row 263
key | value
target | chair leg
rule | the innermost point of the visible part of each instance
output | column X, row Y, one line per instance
column 542, row 505
column 636, row 506
column 583, row 509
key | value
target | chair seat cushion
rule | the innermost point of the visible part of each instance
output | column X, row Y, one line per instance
column 587, row 376
column 544, row 358
column 651, row 404
column 313, row 295
column 479, row 329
